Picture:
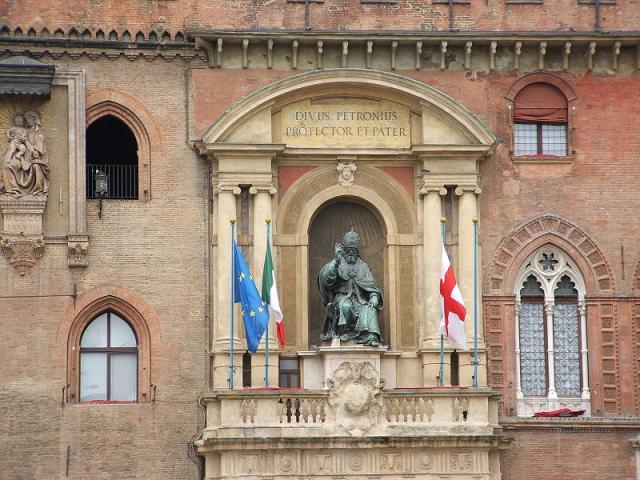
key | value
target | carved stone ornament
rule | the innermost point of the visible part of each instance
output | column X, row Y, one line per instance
column 345, row 173
column 78, row 251
column 22, row 252
column 25, row 160
column 355, row 397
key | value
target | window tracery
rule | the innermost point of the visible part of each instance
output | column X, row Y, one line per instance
column 551, row 348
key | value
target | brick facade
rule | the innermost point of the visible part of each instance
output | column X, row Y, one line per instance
column 153, row 253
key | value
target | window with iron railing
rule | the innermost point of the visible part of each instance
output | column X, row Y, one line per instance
column 112, row 160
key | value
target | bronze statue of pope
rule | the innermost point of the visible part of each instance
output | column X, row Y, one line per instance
column 350, row 296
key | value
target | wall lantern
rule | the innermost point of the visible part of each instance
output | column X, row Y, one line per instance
column 101, row 188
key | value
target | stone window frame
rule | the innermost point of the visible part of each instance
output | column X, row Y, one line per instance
column 569, row 93
column 140, row 327
column 122, row 106
column 526, row 405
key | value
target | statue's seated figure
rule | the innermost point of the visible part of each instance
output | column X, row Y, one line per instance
column 350, row 296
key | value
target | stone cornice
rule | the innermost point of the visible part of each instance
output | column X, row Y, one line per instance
column 412, row 35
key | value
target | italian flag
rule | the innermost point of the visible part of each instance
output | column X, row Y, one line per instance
column 270, row 293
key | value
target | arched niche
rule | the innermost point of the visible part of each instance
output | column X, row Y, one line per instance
column 327, row 227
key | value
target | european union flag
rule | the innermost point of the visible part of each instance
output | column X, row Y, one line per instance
column 255, row 313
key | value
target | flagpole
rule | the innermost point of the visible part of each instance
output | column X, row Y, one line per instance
column 475, row 302
column 266, row 337
column 443, row 221
column 233, row 295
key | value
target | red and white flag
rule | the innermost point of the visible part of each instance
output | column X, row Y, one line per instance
column 452, row 306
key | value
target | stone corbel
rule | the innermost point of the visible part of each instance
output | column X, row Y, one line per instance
column 22, row 251
column 78, row 251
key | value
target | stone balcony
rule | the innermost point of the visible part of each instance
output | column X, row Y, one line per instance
column 351, row 431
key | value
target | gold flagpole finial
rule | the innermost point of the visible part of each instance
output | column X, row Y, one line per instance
column 232, row 221
column 267, row 220
column 474, row 219
column 443, row 220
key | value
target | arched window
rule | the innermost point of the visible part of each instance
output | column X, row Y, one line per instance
column 551, row 337
column 108, row 360
column 112, row 160
column 540, row 121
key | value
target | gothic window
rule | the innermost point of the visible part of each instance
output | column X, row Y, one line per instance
column 108, row 360
column 112, row 160
column 540, row 121
column 551, row 346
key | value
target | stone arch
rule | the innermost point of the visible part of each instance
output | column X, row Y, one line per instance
column 142, row 318
column 372, row 185
column 461, row 119
column 541, row 77
column 138, row 118
column 540, row 231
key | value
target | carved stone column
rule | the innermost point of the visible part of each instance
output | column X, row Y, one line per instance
column 226, row 204
column 519, row 395
column 430, row 328
column 467, row 211
column 262, row 209
column 551, row 394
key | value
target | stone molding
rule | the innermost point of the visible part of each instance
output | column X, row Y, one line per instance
column 523, row 240
column 376, row 187
column 478, row 51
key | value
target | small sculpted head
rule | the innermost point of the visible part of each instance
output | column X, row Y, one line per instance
column 351, row 245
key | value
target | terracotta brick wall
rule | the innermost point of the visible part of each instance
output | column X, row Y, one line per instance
column 576, row 453
column 330, row 15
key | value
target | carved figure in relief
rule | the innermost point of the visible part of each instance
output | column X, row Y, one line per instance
column 355, row 396
column 25, row 161
column 350, row 296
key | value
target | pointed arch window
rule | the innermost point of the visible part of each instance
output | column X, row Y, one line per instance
column 551, row 337
column 108, row 360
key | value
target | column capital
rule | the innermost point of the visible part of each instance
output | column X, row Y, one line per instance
column 462, row 189
column 267, row 188
column 548, row 306
column 427, row 189
column 226, row 187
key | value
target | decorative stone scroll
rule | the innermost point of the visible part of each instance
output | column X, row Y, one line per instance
column 355, row 397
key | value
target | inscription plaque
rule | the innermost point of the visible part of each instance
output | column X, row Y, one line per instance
column 346, row 123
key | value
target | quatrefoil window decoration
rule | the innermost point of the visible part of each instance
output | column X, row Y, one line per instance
column 548, row 262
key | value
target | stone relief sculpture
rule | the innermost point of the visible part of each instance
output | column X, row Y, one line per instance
column 355, row 396
column 345, row 173
column 350, row 296
column 25, row 161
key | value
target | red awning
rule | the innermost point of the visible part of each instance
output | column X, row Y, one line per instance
column 540, row 103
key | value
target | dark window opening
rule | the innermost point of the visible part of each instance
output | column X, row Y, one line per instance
column 455, row 368
column 112, row 150
column 246, row 369
column 289, row 372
